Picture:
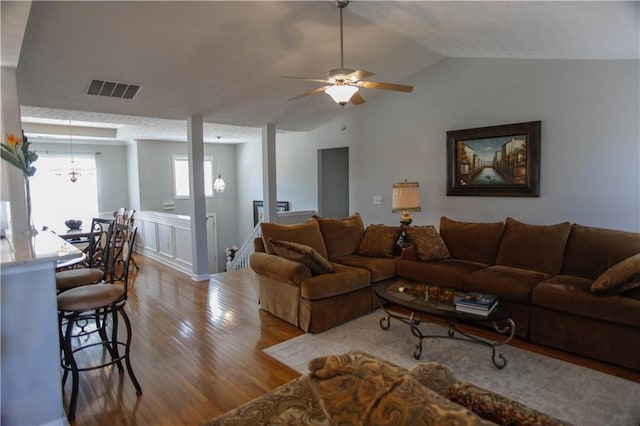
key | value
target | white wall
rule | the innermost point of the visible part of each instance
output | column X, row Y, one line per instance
column 590, row 144
column 292, row 159
column 155, row 173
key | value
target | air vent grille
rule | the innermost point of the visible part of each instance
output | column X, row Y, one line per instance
column 112, row 89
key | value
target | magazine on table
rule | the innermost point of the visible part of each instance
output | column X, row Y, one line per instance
column 476, row 311
column 477, row 301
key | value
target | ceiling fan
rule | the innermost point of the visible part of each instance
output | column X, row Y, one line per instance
column 342, row 84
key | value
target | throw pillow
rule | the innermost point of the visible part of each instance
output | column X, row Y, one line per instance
column 475, row 242
column 302, row 254
column 341, row 236
column 379, row 241
column 357, row 389
column 429, row 246
column 619, row 278
column 496, row 408
column 307, row 233
column 535, row 247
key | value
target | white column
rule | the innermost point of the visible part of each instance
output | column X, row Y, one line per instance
column 269, row 190
column 197, row 202
column 13, row 189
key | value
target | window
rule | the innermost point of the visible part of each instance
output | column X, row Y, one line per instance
column 181, row 177
column 55, row 198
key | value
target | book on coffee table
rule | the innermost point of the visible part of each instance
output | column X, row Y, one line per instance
column 476, row 303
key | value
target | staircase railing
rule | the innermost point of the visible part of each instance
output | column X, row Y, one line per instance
column 241, row 259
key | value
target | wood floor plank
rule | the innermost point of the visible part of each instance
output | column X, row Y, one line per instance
column 197, row 352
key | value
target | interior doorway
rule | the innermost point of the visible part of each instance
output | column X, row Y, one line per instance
column 333, row 182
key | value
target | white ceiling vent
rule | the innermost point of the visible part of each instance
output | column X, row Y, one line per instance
column 113, row 89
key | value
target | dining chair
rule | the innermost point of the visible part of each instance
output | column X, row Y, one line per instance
column 94, row 269
column 101, row 304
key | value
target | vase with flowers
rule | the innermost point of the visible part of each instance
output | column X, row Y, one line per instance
column 16, row 152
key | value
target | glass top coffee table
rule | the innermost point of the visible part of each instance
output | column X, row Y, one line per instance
column 401, row 294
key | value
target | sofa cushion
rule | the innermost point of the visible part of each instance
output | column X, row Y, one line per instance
column 496, row 408
column 535, row 247
column 307, row 233
column 379, row 241
column 356, row 389
column 446, row 273
column 476, row 242
column 591, row 251
column 619, row 278
column 380, row 268
column 513, row 284
column 341, row 236
column 429, row 246
column 302, row 254
column 344, row 279
column 572, row 295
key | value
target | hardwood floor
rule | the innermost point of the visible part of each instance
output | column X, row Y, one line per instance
column 197, row 352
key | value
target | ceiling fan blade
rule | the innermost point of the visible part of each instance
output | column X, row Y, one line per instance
column 359, row 75
column 356, row 99
column 319, row 80
column 310, row 92
column 385, row 86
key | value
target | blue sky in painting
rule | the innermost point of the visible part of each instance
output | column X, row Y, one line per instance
column 485, row 148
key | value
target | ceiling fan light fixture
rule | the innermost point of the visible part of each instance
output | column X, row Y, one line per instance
column 341, row 93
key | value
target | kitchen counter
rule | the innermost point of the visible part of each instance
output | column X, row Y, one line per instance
column 30, row 369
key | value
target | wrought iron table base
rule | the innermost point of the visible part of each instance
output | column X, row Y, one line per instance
column 415, row 319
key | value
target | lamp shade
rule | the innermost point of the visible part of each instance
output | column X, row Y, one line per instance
column 406, row 197
column 341, row 93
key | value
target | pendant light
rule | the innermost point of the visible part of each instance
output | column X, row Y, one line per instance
column 74, row 173
column 219, row 184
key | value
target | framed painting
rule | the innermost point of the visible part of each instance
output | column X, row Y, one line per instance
column 501, row 161
column 258, row 209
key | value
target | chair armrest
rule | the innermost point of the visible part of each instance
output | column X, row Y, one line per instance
column 279, row 268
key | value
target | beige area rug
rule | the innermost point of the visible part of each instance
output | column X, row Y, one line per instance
column 569, row 392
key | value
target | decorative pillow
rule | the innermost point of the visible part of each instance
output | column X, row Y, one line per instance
column 302, row 254
column 307, row 233
column 427, row 241
column 496, row 408
column 356, row 389
column 341, row 236
column 619, row 278
column 434, row 376
column 535, row 247
column 379, row 241
column 475, row 242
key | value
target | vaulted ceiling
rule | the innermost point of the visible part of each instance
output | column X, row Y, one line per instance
column 225, row 60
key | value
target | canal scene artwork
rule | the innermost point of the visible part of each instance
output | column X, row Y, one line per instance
column 498, row 160
column 492, row 161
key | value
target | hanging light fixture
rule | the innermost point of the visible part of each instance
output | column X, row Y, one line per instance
column 219, row 184
column 75, row 172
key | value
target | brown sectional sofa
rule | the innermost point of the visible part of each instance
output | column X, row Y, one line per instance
column 542, row 273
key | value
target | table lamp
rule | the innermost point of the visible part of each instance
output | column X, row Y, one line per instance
column 406, row 199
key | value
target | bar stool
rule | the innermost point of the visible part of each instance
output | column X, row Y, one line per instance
column 97, row 258
column 101, row 304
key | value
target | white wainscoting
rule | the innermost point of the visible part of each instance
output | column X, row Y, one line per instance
column 166, row 237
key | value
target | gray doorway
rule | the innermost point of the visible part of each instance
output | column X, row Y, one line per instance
column 333, row 182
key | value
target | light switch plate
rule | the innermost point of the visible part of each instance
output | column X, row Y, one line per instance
column 377, row 199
